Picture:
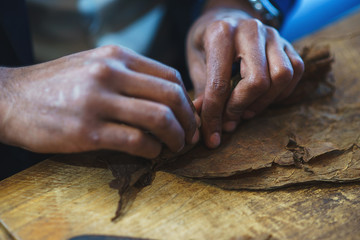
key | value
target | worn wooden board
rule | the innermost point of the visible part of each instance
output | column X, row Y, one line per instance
column 36, row 204
column 61, row 199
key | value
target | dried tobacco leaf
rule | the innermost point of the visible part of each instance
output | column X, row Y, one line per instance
column 315, row 82
column 336, row 166
column 131, row 175
column 289, row 137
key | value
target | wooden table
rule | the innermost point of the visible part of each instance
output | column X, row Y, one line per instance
column 61, row 199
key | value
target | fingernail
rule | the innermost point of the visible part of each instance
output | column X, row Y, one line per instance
column 229, row 126
column 198, row 120
column 196, row 137
column 248, row 114
column 215, row 140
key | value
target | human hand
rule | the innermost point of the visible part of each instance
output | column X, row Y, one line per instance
column 269, row 66
column 106, row 98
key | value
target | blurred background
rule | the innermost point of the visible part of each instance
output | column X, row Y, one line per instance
column 62, row 27
column 311, row 15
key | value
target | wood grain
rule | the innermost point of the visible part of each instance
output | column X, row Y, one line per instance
column 59, row 199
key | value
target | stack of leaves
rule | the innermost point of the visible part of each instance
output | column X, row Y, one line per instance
column 314, row 137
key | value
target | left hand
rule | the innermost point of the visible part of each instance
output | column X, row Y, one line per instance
column 269, row 66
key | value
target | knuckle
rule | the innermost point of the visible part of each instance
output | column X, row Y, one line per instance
column 220, row 87
column 164, row 117
column 99, row 70
column 135, row 140
column 272, row 32
column 298, row 65
column 253, row 23
column 175, row 95
column 86, row 131
column 219, row 28
column 174, row 76
column 93, row 138
column 258, row 84
column 110, row 50
column 254, row 27
column 282, row 75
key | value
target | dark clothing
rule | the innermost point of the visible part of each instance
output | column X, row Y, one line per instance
column 15, row 51
column 169, row 44
column 15, row 41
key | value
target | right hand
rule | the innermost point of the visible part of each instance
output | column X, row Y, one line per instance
column 106, row 98
column 269, row 66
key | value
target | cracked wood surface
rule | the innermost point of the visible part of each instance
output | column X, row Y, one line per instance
column 62, row 198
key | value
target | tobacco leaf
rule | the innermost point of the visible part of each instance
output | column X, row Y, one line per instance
column 131, row 175
column 285, row 138
column 315, row 82
column 336, row 166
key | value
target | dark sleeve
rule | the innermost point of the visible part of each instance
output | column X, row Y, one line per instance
column 169, row 44
column 15, row 40
column 15, row 50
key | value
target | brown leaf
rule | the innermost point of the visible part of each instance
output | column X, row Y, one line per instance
column 131, row 175
column 337, row 166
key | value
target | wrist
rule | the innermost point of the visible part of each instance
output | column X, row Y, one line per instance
column 243, row 5
column 262, row 10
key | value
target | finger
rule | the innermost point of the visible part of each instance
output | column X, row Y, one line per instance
column 154, row 68
column 250, row 46
column 280, row 69
column 142, row 64
column 197, row 69
column 298, row 68
column 167, row 93
column 154, row 117
column 113, row 136
column 198, row 102
column 137, row 62
column 219, row 52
